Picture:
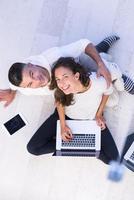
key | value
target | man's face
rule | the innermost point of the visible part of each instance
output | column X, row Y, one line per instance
column 34, row 76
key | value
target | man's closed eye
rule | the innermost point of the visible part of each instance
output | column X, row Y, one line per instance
column 29, row 84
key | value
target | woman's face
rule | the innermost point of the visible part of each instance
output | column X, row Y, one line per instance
column 66, row 80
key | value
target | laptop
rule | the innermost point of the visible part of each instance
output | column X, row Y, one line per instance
column 86, row 139
column 129, row 157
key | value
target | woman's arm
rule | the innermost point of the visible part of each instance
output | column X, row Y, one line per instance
column 102, row 104
column 99, row 115
column 61, row 112
column 66, row 133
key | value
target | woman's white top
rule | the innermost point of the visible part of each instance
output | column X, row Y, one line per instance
column 87, row 103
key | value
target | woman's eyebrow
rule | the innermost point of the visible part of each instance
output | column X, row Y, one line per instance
column 62, row 75
column 67, row 73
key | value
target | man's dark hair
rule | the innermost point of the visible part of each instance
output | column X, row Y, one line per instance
column 15, row 73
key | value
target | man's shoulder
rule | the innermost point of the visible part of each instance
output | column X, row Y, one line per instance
column 47, row 57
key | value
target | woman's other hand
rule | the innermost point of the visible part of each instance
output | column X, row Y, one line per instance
column 100, row 121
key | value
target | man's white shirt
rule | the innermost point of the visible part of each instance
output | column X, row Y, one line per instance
column 47, row 59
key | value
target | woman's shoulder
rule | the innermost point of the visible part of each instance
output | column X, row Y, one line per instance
column 98, row 82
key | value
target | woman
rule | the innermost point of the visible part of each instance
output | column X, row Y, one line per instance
column 74, row 87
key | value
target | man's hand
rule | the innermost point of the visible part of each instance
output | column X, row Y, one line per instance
column 7, row 95
column 103, row 71
column 66, row 133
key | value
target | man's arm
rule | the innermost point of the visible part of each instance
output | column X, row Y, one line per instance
column 102, row 70
column 75, row 49
column 7, row 95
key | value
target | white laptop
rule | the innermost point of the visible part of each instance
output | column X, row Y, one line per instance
column 129, row 157
column 86, row 139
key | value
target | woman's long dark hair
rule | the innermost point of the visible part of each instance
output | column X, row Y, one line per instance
column 70, row 64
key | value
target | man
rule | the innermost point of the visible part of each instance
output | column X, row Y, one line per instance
column 33, row 76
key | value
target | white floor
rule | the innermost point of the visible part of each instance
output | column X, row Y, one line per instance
column 29, row 27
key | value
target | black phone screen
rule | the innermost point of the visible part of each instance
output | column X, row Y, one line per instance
column 14, row 124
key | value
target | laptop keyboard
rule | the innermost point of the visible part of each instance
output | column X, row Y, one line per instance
column 81, row 140
column 132, row 156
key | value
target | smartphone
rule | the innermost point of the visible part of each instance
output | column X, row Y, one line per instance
column 14, row 124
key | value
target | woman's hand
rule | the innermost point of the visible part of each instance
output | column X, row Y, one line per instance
column 100, row 121
column 66, row 133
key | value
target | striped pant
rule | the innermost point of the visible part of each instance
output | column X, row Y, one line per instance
column 128, row 84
